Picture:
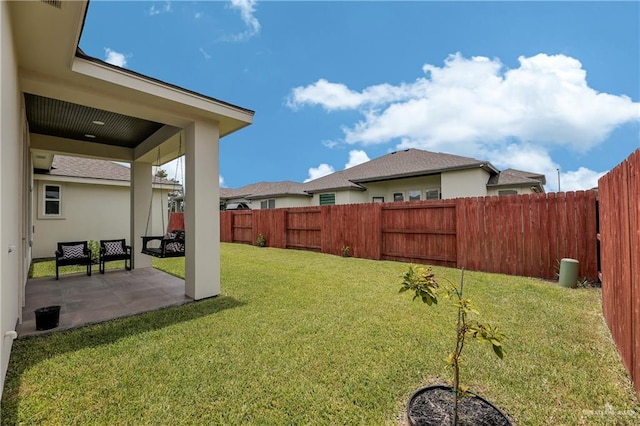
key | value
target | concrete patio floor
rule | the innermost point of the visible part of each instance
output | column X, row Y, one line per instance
column 86, row 300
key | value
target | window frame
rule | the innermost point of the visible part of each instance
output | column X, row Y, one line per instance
column 327, row 195
column 377, row 200
column 46, row 200
column 398, row 197
column 427, row 191
column 505, row 192
column 411, row 197
column 268, row 204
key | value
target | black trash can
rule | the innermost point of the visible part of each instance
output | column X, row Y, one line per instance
column 47, row 317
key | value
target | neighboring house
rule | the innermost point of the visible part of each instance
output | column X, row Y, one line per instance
column 407, row 175
column 263, row 195
column 512, row 182
column 88, row 199
column 56, row 100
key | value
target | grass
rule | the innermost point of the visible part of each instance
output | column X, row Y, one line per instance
column 41, row 269
column 305, row 338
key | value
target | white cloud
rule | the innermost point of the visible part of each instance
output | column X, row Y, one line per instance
column 356, row 157
column 247, row 10
column 317, row 172
column 476, row 103
column 330, row 144
column 221, row 181
column 115, row 58
column 198, row 15
column 205, row 54
column 536, row 159
column 582, row 178
column 165, row 8
column 337, row 96
column 475, row 107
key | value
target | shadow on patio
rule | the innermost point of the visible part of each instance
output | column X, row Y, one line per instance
column 87, row 300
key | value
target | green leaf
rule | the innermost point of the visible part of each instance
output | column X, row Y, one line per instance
column 498, row 350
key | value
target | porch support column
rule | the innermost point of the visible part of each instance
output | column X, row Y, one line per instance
column 202, row 210
column 141, row 192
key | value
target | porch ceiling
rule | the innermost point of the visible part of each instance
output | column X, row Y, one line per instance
column 53, row 117
column 66, row 92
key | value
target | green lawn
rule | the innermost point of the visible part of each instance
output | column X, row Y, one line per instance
column 305, row 338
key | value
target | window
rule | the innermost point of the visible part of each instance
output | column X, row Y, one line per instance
column 398, row 196
column 378, row 199
column 52, row 200
column 327, row 199
column 508, row 192
column 414, row 195
column 268, row 204
column 432, row 194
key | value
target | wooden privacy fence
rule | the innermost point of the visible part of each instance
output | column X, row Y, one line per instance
column 619, row 236
column 519, row 235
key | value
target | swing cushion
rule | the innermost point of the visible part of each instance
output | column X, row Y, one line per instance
column 174, row 246
column 171, row 245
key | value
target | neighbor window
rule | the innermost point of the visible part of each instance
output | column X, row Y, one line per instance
column 378, row 199
column 327, row 199
column 268, row 204
column 508, row 192
column 398, row 196
column 52, row 200
column 432, row 194
column 414, row 195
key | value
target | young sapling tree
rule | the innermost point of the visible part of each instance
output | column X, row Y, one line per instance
column 424, row 285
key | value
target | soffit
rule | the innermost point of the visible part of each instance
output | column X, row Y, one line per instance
column 53, row 117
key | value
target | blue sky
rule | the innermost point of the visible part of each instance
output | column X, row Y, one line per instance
column 536, row 86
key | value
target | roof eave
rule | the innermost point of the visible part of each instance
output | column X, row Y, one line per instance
column 284, row 194
column 340, row 188
column 485, row 166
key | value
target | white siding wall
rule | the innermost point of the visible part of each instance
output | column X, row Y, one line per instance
column 465, row 183
column 386, row 189
column 11, row 214
column 342, row 197
column 89, row 212
column 282, row 202
column 519, row 189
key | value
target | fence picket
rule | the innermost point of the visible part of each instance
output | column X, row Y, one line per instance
column 619, row 194
column 518, row 234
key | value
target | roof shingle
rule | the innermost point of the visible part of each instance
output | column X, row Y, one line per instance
column 399, row 164
column 91, row 168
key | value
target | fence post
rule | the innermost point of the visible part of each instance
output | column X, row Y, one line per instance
column 325, row 230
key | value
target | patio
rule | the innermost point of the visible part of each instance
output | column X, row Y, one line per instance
column 87, row 300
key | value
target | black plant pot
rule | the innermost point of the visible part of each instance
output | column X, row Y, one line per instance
column 47, row 317
column 433, row 405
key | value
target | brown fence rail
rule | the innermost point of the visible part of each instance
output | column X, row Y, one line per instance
column 619, row 236
column 519, row 235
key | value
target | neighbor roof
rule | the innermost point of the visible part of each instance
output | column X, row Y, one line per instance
column 91, row 168
column 265, row 189
column 399, row 164
column 516, row 177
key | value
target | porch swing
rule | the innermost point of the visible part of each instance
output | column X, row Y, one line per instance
column 171, row 244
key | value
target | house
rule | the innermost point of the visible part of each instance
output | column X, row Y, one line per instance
column 89, row 199
column 262, row 195
column 407, row 175
column 56, row 100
